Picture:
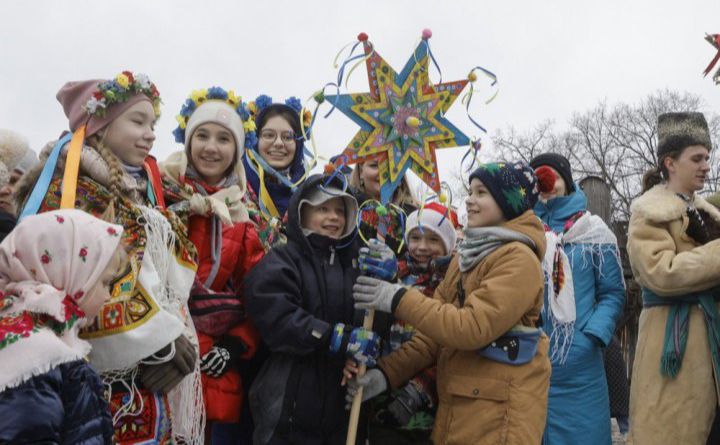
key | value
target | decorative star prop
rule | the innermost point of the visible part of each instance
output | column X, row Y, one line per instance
column 401, row 120
column 714, row 40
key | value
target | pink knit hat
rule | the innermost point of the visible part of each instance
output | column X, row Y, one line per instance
column 75, row 98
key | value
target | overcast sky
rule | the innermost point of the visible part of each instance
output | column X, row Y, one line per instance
column 551, row 57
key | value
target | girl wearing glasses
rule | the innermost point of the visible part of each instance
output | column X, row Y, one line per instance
column 274, row 166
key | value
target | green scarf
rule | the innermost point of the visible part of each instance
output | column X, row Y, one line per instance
column 678, row 325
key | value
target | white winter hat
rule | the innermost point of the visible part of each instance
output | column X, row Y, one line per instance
column 12, row 148
column 437, row 219
column 221, row 113
column 28, row 161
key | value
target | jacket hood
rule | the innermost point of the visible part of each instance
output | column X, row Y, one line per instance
column 294, row 230
column 556, row 211
column 659, row 204
column 529, row 225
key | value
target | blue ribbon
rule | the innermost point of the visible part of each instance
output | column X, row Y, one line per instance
column 32, row 206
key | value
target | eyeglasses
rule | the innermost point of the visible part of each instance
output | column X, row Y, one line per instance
column 271, row 136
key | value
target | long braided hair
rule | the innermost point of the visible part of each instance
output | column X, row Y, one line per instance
column 115, row 180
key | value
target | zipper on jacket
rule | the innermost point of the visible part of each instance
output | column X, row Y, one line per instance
column 332, row 255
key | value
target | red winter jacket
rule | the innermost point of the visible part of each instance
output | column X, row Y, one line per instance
column 241, row 250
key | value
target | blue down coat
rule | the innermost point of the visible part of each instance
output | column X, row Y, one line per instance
column 578, row 404
column 64, row 406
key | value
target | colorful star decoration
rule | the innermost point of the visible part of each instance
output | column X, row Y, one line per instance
column 401, row 120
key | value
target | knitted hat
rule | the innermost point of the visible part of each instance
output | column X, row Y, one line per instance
column 559, row 163
column 679, row 130
column 217, row 112
column 27, row 162
column 13, row 147
column 435, row 218
column 97, row 102
column 513, row 185
column 319, row 195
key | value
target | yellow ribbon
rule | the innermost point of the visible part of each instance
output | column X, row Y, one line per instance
column 72, row 168
column 264, row 194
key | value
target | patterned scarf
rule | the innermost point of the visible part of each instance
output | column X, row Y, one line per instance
column 47, row 266
column 590, row 233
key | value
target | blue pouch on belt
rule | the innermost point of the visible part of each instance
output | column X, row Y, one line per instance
column 517, row 347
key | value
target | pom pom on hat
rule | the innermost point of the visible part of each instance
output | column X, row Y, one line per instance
column 546, row 179
column 435, row 218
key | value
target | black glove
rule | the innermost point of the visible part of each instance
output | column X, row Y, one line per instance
column 163, row 377
column 403, row 404
column 224, row 355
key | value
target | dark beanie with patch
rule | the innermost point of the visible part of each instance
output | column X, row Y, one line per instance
column 560, row 163
column 513, row 185
column 676, row 131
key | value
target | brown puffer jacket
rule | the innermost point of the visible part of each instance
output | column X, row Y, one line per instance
column 481, row 401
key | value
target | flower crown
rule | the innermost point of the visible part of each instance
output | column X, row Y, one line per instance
column 198, row 97
column 263, row 101
column 120, row 89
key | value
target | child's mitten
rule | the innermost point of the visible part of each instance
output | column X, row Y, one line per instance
column 359, row 344
column 378, row 260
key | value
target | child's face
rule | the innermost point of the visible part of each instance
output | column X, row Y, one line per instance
column 212, row 151
column 277, row 143
column 131, row 136
column 482, row 210
column 327, row 219
column 425, row 246
column 99, row 294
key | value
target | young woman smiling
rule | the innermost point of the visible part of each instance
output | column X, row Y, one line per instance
column 205, row 185
column 274, row 165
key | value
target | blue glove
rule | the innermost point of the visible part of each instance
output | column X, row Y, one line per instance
column 378, row 260
column 359, row 344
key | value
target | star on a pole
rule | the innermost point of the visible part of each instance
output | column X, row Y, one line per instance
column 401, row 119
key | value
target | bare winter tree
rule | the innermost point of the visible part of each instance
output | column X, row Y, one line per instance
column 614, row 142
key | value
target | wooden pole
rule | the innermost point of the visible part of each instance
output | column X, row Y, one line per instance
column 367, row 324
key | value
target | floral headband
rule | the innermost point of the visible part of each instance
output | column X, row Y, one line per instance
column 198, row 97
column 120, row 89
column 263, row 101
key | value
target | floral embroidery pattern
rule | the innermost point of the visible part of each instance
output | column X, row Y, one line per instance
column 59, row 219
column 13, row 328
column 46, row 257
column 83, row 254
column 112, row 232
column 17, row 326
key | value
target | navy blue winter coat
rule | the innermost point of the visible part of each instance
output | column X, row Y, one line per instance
column 294, row 296
column 63, row 406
